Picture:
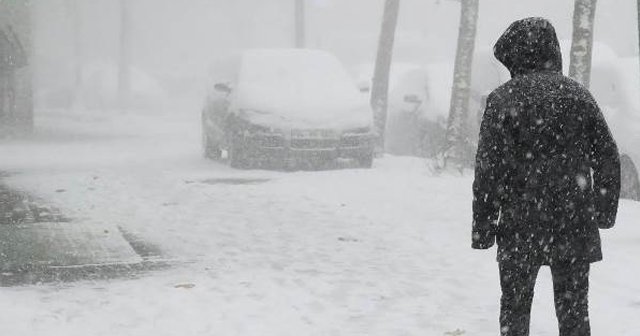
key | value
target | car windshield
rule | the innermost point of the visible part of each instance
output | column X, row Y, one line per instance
column 295, row 82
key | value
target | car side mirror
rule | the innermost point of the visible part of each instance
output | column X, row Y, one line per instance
column 222, row 87
column 364, row 86
column 412, row 99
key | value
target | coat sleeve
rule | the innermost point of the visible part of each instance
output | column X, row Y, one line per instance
column 489, row 171
column 605, row 165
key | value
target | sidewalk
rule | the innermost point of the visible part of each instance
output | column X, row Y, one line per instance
column 39, row 244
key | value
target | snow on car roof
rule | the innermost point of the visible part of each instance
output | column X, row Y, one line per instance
column 295, row 82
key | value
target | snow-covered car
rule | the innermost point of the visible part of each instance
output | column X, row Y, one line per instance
column 99, row 90
column 419, row 99
column 282, row 107
column 613, row 85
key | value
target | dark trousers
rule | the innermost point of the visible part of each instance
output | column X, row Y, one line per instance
column 570, row 290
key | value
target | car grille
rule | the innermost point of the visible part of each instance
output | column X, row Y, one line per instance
column 270, row 141
column 313, row 133
column 314, row 139
column 351, row 141
column 314, row 143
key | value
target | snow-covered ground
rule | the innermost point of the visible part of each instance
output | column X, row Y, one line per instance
column 384, row 251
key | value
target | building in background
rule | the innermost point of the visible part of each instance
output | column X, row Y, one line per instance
column 16, row 107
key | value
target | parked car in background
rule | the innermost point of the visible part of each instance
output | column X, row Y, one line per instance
column 419, row 98
column 277, row 108
column 614, row 83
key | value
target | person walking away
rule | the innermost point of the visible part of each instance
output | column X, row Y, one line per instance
column 547, row 178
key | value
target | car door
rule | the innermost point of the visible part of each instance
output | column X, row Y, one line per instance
column 219, row 100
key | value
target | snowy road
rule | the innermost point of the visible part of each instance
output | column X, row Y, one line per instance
column 345, row 252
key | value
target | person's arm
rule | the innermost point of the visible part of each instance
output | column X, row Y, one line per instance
column 605, row 163
column 489, row 174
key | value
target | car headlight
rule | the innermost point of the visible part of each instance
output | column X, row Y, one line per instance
column 260, row 129
column 357, row 131
column 357, row 137
column 251, row 128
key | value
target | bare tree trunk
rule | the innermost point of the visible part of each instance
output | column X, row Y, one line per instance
column 74, row 19
column 380, row 85
column 582, row 42
column 455, row 150
column 300, row 24
column 124, row 66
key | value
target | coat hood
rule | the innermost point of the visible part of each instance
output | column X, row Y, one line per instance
column 529, row 45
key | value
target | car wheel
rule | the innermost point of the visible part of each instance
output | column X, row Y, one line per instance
column 366, row 160
column 210, row 150
column 629, row 180
column 237, row 155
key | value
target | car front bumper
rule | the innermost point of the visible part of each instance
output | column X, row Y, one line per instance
column 308, row 146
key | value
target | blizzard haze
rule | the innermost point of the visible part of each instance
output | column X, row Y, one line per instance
column 176, row 42
column 231, row 167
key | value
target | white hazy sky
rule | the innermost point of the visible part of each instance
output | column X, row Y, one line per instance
column 182, row 37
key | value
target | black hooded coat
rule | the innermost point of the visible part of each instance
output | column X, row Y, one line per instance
column 547, row 173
